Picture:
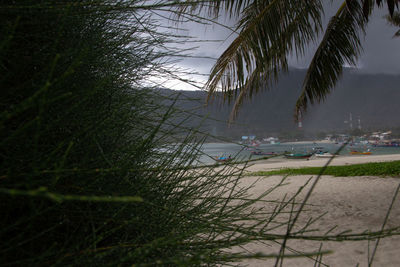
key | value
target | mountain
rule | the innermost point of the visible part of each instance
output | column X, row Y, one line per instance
column 372, row 100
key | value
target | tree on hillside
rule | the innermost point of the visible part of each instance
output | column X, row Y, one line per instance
column 269, row 31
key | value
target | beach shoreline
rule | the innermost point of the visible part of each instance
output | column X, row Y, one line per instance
column 310, row 142
column 276, row 163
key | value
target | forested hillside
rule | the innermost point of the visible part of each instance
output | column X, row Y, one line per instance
column 372, row 99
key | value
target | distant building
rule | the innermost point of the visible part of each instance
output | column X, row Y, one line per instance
column 378, row 136
column 271, row 140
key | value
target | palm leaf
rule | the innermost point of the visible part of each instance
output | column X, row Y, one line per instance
column 251, row 85
column 395, row 21
column 390, row 4
column 367, row 8
column 269, row 31
column 341, row 44
column 214, row 7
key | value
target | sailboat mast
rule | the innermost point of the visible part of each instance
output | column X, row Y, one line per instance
column 351, row 121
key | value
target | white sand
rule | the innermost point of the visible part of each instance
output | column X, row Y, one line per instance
column 351, row 203
column 280, row 162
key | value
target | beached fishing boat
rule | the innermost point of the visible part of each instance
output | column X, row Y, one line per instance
column 223, row 159
column 323, row 155
column 355, row 152
column 259, row 152
column 298, row 155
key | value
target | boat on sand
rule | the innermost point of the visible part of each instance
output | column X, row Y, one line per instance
column 323, row 155
column 298, row 155
column 259, row 152
column 223, row 159
column 355, row 152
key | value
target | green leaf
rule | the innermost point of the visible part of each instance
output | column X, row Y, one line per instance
column 341, row 44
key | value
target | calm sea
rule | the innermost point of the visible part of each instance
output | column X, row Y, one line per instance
column 240, row 152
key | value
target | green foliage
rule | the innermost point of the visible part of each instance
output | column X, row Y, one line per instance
column 395, row 21
column 91, row 172
column 69, row 111
column 391, row 168
column 270, row 31
column 341, row 44
column 320, row 135
column 292, row 135
column 84, row 180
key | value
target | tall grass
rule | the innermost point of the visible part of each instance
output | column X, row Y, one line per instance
column 92, row 171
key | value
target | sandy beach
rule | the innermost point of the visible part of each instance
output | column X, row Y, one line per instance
column 354, row 204
column 280, row 162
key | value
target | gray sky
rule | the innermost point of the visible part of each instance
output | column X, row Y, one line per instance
column 381, row 51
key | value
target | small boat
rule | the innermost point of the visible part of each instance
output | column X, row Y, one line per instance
column 298, row 155
column 223, row 159
column 258, row 152
column 324, row 155
column 355, row 152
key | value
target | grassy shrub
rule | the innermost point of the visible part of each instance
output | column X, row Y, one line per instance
column 71, row 125
column 90, row 172
column 367, row 169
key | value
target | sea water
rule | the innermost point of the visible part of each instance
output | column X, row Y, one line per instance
column 242, row 152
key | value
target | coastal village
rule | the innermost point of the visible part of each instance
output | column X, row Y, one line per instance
column 366, row 144
column 378, row 138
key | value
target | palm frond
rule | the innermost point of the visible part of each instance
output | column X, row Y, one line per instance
column 341, row 44
column 269, row 32
column 390, row 4
column 214, row 7
column 395, row 19
column 367, row 8
column 253, row 82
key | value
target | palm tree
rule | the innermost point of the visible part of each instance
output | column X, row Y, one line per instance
column 395, row 21
column 271, row 30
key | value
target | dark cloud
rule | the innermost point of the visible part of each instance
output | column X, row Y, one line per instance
column 381, row 52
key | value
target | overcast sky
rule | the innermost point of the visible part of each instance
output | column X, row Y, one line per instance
column 381, row 51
